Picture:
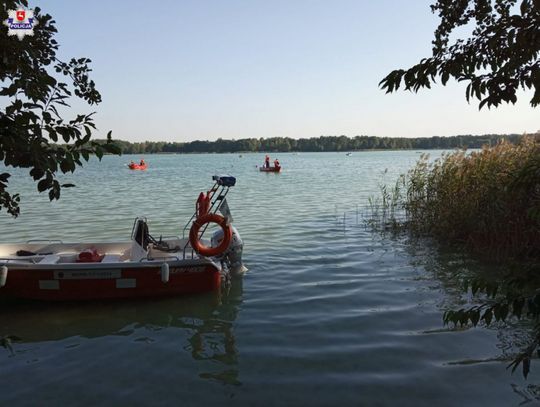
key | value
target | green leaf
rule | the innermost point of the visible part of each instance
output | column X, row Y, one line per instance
column 64, row 166
column 487, row 317
column 37, row 173
column 525, row 5
column 475, row 317
column 43, row 185
column 99, row 152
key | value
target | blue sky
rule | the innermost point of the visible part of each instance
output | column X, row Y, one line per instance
column 186, row 70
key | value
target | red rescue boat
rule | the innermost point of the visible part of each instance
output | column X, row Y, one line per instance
column 267, row 168
column 270, row 169
column 141, row 267
column 134, row 166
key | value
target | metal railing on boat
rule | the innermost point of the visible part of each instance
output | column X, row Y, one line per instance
column 215, row 205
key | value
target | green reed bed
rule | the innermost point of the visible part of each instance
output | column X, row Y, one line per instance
column 487, row 200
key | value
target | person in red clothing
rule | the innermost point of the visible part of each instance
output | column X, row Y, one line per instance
column 276, row 163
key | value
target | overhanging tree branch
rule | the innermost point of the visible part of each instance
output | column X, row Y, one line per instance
column 500, row 56
column 31, row 124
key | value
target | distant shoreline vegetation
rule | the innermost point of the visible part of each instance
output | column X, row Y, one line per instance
column 314, row 144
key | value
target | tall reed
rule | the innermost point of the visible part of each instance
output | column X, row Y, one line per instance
column 488, row 200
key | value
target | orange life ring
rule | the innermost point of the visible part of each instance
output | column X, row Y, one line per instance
column 194, row 235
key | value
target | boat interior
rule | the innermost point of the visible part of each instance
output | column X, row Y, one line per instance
column 141, row 248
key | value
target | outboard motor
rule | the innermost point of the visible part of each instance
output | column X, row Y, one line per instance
column 140, row 239
column 233, row 255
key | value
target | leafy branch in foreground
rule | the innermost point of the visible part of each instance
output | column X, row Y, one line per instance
column 514, row 297
column 499, row 57
column 31, row 124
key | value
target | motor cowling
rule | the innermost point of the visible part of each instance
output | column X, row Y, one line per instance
column 233, row 254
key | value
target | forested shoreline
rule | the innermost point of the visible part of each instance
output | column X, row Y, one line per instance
column 314, row 144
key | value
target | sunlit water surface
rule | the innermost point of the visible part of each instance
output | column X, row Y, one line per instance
column 329, row 313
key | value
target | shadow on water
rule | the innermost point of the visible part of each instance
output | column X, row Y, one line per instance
column 201, row 325
column 449, row 268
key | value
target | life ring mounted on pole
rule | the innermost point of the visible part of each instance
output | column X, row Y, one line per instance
column 196, row 227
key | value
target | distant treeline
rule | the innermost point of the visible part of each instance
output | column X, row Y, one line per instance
column 315, row 144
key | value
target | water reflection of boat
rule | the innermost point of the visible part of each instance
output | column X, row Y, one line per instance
column 203, row 326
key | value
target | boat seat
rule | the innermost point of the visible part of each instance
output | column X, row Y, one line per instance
column 50, row 259
column 111, row 258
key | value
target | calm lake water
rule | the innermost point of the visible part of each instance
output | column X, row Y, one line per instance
column 329, row 312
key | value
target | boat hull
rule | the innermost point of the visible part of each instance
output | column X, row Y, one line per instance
column 137, row 167
column 270, row 169
column 89, row 282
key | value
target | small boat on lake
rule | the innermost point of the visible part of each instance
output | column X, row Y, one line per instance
column 141, row 166
column 270, row 169
column 267, row 168
column 141, row 267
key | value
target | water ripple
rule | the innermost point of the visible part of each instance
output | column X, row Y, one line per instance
column 328, row 313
